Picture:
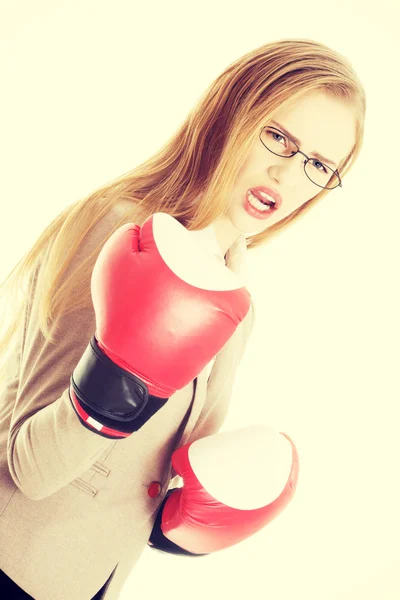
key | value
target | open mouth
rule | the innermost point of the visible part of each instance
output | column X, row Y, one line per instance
column 261, row 209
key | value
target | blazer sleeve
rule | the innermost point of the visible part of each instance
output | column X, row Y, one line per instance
column 47, row 446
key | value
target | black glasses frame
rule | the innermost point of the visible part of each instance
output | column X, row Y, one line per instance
column 305, row 155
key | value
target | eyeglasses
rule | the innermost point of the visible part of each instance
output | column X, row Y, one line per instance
column 316, row 171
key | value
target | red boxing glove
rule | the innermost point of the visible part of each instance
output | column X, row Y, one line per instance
column 235, row 483
column 165, row 306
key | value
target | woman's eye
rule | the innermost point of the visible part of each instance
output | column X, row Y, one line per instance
column 316, row 162
column 278, row 134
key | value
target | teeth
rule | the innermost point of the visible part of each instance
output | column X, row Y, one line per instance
column 257, row 203
column 266, row 196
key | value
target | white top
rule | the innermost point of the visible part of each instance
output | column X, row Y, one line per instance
column 208, row 236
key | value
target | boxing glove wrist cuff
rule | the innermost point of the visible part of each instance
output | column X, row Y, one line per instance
column 108, row 399
column 158, row 541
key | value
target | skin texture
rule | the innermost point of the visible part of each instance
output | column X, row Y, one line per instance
column 322, row 124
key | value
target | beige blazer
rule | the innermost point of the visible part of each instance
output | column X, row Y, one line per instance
column 75, row 507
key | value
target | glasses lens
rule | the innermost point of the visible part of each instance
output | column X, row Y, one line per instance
column 280, row 144
column 321, row 174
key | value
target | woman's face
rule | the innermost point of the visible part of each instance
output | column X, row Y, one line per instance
column 323, row 125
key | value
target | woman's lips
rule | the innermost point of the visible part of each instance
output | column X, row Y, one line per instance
column 277, row 198
column 253, row 212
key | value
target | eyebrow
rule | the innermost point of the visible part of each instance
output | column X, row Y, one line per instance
column 298, row 142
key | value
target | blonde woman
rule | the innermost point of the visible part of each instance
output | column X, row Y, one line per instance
column 121, row 352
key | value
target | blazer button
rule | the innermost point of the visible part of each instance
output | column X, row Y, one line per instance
column 154, row 489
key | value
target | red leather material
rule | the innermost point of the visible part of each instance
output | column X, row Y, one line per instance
column 194, row 520
column 150, row 321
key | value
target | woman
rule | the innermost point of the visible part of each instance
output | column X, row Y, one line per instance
column 77, row 507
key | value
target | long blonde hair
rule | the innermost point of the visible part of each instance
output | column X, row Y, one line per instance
column 201, row 159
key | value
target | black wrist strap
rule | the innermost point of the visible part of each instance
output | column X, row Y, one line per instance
column 110, row 394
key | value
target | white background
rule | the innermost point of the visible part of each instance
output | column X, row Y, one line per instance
column 89, row 90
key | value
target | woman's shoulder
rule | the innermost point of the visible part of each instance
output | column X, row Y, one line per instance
column 123, row 209
column 118, row 214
